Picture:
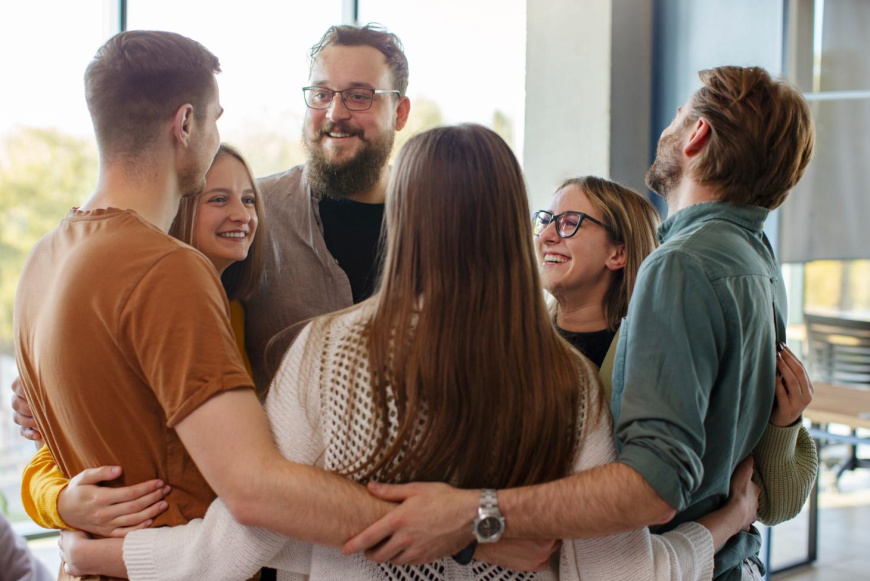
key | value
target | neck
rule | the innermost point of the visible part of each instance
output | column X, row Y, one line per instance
column 150, row 189
column 689, row 193
column 582, row 314
column 377, row 194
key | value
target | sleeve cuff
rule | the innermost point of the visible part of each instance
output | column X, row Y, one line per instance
column 777, row 445
column 702, row 541
column 662, row 477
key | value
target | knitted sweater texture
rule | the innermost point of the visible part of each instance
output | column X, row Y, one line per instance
column 307, row 407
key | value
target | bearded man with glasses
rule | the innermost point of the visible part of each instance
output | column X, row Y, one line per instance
column 327, row 214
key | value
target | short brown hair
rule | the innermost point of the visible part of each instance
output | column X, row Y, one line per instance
column 375, row 36
column 632, row 221
column 138, row 79
column 762, row 135
column 241, row 278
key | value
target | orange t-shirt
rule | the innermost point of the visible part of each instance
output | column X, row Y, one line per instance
column 122, row 331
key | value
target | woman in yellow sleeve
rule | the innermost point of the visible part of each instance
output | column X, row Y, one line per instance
column 222, row 223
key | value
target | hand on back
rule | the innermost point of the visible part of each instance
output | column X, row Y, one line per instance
column 21, row 412
column 110, row 512
column 743, row 496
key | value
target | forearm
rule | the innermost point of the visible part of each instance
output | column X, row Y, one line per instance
column 308, row 504
column 786, row 464
column 260, row 487
column 722, row 524
column 41, row 485
column 601, row 501
column 215, row 547
column 97, row 557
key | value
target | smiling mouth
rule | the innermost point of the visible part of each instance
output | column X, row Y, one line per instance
column 555, row 259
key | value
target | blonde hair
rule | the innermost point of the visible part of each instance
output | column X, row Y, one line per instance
column 240, row 279
column 632, row 221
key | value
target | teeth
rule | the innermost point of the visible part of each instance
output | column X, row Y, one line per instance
column 339, row 135
column 554, row 258
column 232, row 234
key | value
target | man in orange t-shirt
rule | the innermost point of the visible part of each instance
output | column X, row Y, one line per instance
column 123, row 338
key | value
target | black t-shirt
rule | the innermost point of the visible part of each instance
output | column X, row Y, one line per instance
column 352, row 232
column 593, row 345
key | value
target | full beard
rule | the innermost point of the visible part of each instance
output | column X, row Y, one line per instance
column 358, row 175
column 665, row 174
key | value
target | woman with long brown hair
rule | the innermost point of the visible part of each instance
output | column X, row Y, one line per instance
column 451, row 371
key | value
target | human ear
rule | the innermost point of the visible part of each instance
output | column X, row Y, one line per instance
column 182, row 124
column 697, row 138
column 403, row 109
column 616, row 260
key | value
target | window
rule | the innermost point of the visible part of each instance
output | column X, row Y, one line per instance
column 825, row 219
column 263, row 47
column 466, row 60
column 48, row 163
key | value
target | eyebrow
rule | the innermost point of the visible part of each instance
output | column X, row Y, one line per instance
column 355, row 85
column 227, row 191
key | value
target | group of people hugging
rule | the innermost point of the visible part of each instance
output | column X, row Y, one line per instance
column 358, row 370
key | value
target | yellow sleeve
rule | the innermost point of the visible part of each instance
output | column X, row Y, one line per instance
column 237, row 319
column 40, row 488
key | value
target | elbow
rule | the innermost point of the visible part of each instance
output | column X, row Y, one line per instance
column 662, row 513
column 243, row 509
column 242, row 504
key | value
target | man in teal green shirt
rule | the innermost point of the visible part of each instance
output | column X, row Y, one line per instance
column 695, row 366
column 695, row 370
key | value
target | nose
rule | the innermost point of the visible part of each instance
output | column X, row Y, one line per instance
column 337, row 110
column 549, row 235
column 239, row 213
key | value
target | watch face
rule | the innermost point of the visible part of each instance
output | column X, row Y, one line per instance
column 489, row 527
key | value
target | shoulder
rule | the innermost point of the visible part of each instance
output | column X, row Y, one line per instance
column 287, row 182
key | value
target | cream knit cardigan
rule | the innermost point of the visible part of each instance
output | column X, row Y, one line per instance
column 307, row 408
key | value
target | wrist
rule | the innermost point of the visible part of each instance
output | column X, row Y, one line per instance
column 490, row 523
column 62, row 507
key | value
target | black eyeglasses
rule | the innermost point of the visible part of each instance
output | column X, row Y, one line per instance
column 356, row 99
column 567, row 223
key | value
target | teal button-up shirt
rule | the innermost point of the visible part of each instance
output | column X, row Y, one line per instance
column 695, row 365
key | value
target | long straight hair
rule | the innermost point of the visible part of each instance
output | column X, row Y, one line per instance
column 486, row 392
column 241, row 278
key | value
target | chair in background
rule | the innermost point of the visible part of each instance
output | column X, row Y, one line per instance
column 839, row 353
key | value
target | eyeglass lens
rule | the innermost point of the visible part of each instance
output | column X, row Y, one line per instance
column 566, row 224
column 354, row 99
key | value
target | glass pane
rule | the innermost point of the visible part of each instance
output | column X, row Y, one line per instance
column 825, row 217
column 48, row 163
column 263, row 47
column 468, row 68
column 838, row 287
column 844, row 61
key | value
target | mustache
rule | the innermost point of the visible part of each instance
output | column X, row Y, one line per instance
column 341, row 127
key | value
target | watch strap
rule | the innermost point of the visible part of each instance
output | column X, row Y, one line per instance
column 464, row 556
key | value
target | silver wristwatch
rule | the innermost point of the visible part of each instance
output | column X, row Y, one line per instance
column 489, row 524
